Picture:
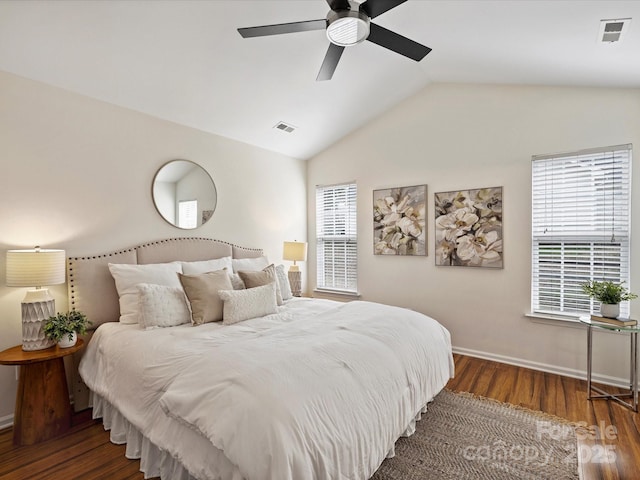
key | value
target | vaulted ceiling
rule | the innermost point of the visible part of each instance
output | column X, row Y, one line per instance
column 184, row 61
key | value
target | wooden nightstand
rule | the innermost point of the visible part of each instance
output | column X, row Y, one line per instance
column 43, row 410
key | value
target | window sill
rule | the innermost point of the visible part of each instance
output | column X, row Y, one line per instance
column 556, row 320
column 560, row 321
column 342, row 295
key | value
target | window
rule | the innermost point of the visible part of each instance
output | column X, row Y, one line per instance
column 580, row 227
column 188, row 213
column 337, row 238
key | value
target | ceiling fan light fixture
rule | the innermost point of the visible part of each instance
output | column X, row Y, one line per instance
column 346, row 28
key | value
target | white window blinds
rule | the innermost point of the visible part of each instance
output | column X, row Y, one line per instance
column 337, row 237
column 580, row 227
column 187, row 213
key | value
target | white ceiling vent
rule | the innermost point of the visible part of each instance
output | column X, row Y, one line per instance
column 612, row 31
column 285, row 127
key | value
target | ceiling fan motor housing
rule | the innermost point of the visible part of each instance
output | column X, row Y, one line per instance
column 346, row 28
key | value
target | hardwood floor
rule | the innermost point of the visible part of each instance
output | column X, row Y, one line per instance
column 614, row 455
column 86, row 452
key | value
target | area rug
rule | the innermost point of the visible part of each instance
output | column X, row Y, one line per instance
column 462, row 436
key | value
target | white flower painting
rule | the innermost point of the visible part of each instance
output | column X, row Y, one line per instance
column 469, row 228
column 399, row 221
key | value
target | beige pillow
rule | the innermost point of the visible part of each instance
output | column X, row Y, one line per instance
column 263, row 277
column 202, row 292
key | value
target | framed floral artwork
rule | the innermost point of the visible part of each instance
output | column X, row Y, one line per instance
column 399, row 226
column 468, row 228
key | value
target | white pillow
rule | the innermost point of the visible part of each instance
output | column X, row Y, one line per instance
column 128, row 276
column 240, row 305
column 283, row 281
column 249, row 264
column 204, row 266
column 162, row 306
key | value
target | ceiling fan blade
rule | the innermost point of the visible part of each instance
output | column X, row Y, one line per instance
column 330, row 62
column 399, row 44
column 373, row 8
column 281, row 28
column 337, row 5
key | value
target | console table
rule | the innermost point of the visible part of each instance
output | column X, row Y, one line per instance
column 43, row 410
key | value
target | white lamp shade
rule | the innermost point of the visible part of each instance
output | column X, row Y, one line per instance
column 35, row 268
column 296, row 251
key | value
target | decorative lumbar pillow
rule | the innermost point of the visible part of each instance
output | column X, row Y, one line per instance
column 162, row 306
column 249, row 264
column 202, row 292
column 283, row 282
column 193, row 268
column 240, row 305
column 263, row 277
column 128, row 276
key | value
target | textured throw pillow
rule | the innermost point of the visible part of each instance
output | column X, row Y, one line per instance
column 236, row 281
column 202, row 292
column 283, row 282
column 162, row 306
column 240, row 305
column 128, row 276
column 249, row 264
column 263, row 277
column 193, row 268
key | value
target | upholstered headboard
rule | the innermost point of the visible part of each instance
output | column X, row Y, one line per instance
column 92, row 289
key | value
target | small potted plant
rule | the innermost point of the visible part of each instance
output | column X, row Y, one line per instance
column 609, row 294
column 65, row 327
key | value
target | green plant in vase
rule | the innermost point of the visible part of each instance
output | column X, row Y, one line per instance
column 609, row 294
column 64, row 327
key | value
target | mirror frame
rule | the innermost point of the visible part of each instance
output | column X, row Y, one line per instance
column 201, row 220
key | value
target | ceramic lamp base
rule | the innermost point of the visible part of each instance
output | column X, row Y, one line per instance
column 295, row 280
column 33, row 316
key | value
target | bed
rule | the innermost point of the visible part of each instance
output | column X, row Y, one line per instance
column 316, row 389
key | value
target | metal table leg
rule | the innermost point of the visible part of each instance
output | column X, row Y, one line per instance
column 633, row 376
column 589, row 359
column 634, row 369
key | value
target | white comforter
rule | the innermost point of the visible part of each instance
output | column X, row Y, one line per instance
column 296, row 395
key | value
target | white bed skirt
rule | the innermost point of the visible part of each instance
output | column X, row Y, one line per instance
column 155, row 462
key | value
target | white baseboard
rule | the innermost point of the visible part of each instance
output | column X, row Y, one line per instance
column 545, row 367
column 6, row 421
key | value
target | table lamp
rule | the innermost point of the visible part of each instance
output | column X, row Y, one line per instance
column 36, row 268
column 295, row 251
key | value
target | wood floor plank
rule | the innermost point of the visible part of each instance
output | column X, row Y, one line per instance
column 567, row 398
column 86, row 453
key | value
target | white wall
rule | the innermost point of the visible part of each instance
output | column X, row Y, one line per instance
column 454, row 137
column 76, row 174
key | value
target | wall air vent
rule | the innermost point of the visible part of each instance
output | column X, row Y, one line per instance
column 612, row 31
column 285, row 127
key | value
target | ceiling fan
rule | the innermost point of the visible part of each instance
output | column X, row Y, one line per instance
column 347, row 24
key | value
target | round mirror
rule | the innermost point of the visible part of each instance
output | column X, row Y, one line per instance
column 184, row 194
